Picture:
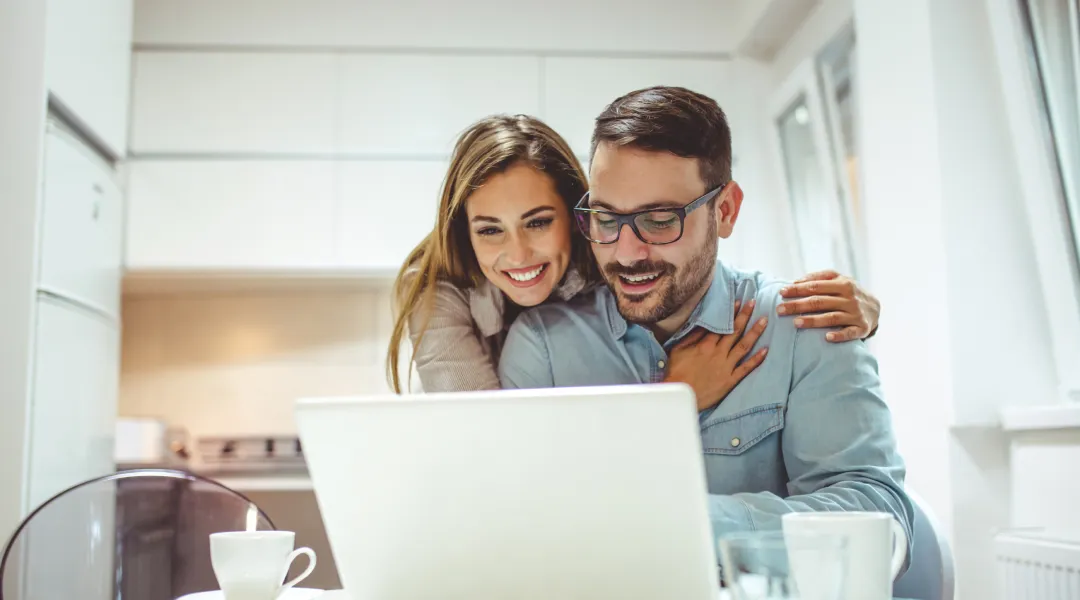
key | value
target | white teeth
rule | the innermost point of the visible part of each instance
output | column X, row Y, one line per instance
column 640, row 278
column 526, row 276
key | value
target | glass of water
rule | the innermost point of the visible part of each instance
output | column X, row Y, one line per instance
column 773, row 565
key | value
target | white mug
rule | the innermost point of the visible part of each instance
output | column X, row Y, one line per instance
column 250, row 565
column 876, row 548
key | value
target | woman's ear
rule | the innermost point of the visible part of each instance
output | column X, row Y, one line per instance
column 727, row 206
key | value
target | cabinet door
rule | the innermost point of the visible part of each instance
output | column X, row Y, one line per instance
column 232, row 102
column 409, row 105
column 81, row 231
column 73, row 407
column 385, row 208
column 88, row 64
column 229, row 215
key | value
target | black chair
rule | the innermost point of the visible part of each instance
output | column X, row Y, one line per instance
column 133, row 535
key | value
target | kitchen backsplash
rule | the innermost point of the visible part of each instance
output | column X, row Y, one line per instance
column 233, row 364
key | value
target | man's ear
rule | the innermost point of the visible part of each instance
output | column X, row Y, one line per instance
column 726, row 209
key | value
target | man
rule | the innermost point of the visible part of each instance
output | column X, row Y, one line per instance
column 808, row 429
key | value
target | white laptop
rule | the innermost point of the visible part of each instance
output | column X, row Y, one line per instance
column 572, row 493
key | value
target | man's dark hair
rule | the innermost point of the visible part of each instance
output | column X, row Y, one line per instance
column 670, row 119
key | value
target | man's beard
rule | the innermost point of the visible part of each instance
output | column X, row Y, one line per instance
column 677, row 286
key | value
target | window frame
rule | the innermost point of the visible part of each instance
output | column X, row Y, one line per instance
column 804, row 82
column 1041, row 180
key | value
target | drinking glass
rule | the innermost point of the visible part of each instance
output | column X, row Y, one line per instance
column 772, row 565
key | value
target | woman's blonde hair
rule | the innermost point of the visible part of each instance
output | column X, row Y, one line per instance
column 488, row 147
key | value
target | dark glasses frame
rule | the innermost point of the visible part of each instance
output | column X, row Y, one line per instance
column 584, row 215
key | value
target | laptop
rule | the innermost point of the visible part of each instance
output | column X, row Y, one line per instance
column 567, row 493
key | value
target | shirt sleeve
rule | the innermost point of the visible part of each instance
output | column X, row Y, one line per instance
column 450, row 356
column 839, row 448
column 525, row 361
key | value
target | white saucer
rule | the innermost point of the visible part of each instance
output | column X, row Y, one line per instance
column 290, row 594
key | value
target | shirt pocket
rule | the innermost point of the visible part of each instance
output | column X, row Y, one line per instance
column 736, row 434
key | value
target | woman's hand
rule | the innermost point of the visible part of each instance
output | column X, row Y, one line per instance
column 831, row 300
column 712, row 364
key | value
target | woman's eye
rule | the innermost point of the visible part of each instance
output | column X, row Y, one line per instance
column 540, row 223
column 486, row 231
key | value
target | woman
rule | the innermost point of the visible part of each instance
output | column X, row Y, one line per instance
column 504, row 240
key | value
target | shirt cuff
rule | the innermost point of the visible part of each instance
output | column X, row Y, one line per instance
column 729, row 514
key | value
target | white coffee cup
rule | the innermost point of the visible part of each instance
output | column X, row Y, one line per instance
column 876, row 548
column 250, row 565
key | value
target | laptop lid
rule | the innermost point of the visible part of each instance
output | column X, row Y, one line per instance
column 529, row 494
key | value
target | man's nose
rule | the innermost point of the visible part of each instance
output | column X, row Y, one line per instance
column 629, row 249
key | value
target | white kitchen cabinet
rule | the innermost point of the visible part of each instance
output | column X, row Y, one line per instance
column 408, row 104
column 230, row 215
column 211, row 103
column 82, row 228
column 385, row 209
column 88, row 65
column 576, row 90
column 74, row 397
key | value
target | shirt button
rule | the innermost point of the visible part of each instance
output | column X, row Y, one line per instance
column 735, row 442
column 661, row 364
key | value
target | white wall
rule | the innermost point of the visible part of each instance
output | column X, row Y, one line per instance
column 22, row 126
column 964, row 332
column 819, row 28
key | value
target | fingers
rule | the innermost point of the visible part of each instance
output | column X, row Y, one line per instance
column 813, row 304
column 742, row 317
column 840, row 286
column 750, row 338
column 749, row 364
column 818, row 276
column 829, row 319
column 844, row 335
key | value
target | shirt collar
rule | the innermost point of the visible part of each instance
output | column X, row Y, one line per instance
column 715, row 312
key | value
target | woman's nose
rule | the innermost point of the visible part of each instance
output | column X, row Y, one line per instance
column 518, row 251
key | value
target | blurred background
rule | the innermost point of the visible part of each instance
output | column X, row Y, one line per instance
column 203, row 204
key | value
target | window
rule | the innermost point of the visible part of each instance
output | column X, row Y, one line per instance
column 1038, row 50
column 823, row 240
column 836, row 69
column 1054, row 27
column 814, row 115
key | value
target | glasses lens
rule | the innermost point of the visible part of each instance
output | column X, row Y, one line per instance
column 659, row 227
column 598, row 227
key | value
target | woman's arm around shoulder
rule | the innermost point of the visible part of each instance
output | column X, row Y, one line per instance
column 449, row 354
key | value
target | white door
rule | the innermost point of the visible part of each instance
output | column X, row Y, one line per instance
column 82, row 227
column 74, row 398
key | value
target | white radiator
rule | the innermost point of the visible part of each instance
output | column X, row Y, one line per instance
column 1038, row 565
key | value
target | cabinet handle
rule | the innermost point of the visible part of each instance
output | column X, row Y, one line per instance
column 100, row 191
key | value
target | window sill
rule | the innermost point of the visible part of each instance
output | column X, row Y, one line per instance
column 1056, row 416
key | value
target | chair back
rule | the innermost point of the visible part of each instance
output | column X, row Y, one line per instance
column 930, row 573
column 141, row 534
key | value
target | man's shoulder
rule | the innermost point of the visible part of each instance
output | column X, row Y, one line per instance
column 759, row 286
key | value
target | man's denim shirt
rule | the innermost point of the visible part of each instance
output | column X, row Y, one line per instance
column 808, row 430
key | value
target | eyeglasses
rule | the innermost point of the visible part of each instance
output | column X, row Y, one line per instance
column 653, row 226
